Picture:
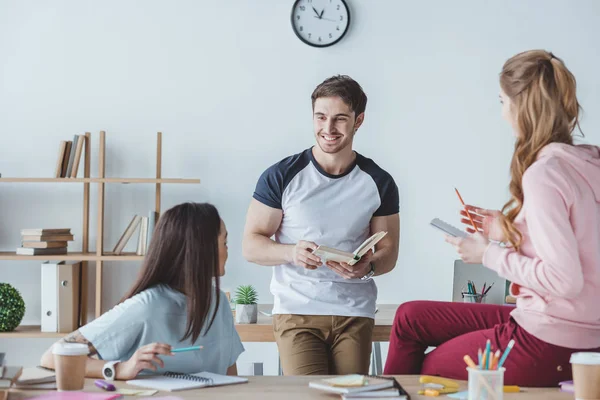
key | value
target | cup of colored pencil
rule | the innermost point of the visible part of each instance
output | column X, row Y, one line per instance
column 486, row 379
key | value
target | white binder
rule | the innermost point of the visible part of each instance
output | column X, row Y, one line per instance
column 50, row 296
column 60, row 296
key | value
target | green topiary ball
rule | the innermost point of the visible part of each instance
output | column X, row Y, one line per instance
column 12, row 308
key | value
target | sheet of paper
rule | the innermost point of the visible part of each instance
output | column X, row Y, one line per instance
column 136, row 392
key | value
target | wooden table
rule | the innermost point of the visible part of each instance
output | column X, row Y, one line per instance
column 296, row 388
column 262, row 331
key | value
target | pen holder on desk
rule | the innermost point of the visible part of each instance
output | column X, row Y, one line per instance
column 474, row 298
column 486, row 384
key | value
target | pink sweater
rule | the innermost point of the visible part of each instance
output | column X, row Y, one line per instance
column 556, row 275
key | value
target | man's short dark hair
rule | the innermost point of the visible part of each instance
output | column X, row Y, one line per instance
column 345, row 88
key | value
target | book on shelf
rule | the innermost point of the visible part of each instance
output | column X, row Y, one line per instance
column 24, row 251
column 77, row 158
column 141, row 248
column 65, row 160
column 61, row 156
column 152, row 219
column 47, row 238
column 44, row 231
column 146, row 228
column 44, row 245
column 44, row 241
column 72, row 156
column 129, row 231
column 69, row 157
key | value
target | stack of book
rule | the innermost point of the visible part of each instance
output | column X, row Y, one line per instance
column 361, row 386
column 44, row 241
column 69, row 155
column 36, row 378
column 146, row 225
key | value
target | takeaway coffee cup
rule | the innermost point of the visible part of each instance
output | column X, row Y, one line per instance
column 69, row 363
column 586, row 375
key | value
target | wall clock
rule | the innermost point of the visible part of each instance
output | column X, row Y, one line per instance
column 320, row 23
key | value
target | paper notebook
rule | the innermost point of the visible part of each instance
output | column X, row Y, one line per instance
column 77, row 396
column 35, row 376
column 348, row 384
column 171, row 381
column 447, row 228
column 331, row 254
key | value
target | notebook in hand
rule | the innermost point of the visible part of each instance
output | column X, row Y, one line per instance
column 172, row 381
column 349, row 384
column 447, row 228
column 331, row 254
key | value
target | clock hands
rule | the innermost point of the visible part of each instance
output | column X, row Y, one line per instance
column 316, row 12
column 327, row 19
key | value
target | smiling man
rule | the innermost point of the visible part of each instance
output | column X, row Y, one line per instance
column 327, row 195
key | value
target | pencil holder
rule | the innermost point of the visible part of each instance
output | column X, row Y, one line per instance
column 486, row 384
column 474, row 298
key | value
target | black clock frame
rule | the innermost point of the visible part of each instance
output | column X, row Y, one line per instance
column 319, row 45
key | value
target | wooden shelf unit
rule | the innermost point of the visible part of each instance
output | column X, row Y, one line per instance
column 30, row 331
column 98, row 180
column 85, row 256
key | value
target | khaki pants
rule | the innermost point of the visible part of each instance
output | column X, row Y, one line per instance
column 323, row 345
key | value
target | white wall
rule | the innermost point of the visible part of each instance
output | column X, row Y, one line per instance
column 229, row 84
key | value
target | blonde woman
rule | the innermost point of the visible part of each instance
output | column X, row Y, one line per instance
column 550, row 230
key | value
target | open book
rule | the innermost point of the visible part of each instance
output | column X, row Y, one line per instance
column 331, row 254
column 172, row 381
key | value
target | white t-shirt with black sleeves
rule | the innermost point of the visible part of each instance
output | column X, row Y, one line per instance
column 329, row 210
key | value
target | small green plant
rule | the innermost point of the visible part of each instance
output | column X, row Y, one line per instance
column 246, row 294
column 12, row 308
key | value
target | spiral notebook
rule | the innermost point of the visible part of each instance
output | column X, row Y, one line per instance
column 171, row 381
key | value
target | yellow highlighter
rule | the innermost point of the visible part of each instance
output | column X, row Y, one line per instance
column 512, row 389
column 434, row 386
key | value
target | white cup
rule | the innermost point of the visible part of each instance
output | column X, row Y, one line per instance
column 69, row 363
column 486, row 384
column 586, row 375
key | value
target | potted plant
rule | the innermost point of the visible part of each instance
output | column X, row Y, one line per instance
column 12, row 308
column 246, row 309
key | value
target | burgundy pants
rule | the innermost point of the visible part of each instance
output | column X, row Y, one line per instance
column 456, row 329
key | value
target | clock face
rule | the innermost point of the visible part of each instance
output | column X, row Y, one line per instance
column 320, row 23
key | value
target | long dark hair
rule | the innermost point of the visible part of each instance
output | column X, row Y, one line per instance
column 184, row 255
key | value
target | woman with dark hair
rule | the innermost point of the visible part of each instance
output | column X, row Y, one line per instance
column 175, row 302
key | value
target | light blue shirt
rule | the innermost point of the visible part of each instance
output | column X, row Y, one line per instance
column 159, row 314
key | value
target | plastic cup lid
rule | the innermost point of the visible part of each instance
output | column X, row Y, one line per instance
column 585, row 358
column 70, row 349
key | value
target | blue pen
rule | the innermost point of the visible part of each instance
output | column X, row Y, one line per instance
column 182, row 349
column 508, row 349
column 487, row 354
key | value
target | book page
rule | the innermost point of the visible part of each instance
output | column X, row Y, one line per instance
column 369, row 243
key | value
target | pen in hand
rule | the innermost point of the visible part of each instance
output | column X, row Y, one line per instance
column 466, row 210
column 183, row 349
